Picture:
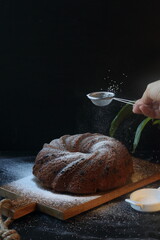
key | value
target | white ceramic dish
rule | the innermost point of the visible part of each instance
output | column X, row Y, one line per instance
column 145, row 200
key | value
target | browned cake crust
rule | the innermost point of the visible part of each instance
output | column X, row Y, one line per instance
column 83, row 164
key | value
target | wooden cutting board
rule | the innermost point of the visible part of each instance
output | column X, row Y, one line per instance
column 28, row 195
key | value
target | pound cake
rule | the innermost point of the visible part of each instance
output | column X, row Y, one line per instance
column 83, row 164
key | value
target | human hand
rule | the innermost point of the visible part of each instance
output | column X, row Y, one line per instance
column 149, row 103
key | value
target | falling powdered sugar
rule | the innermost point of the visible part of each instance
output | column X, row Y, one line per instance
column 114, row 85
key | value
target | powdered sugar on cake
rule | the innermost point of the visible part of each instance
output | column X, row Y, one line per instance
column 90, row 162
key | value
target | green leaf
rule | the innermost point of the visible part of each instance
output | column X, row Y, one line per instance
column 156, row 122
column 139, row 132
column 125, row 112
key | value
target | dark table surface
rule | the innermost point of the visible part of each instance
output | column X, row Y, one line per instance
column 113, row 220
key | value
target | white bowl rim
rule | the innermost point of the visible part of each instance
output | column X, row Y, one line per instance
column 91, row 95
column 149, row 190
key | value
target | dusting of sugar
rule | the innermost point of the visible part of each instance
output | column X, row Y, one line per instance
column 143, row 169
column 16, row 168
column 105, row 144
column 29, row 187
column 114, row 220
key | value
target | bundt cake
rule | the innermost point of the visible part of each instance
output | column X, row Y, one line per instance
column 83, row 164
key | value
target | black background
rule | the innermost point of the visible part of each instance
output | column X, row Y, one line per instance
column 55, row 52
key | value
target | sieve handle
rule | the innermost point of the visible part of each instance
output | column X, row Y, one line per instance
column 131, row 102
